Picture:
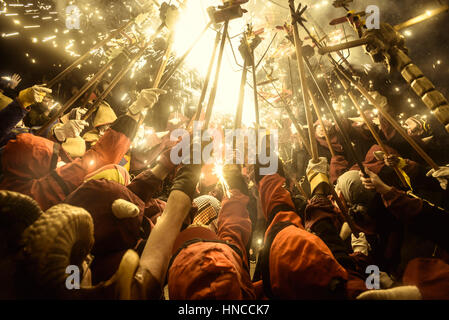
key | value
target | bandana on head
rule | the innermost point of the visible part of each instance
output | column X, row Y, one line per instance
column 208, row 208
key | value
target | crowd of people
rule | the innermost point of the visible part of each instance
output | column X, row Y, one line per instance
column 83, row 215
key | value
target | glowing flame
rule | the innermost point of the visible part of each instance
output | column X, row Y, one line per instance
column 192, row 21
column 218, row 171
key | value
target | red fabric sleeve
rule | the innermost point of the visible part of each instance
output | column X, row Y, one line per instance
column 401, row 205
column 337, row 167
column 388, row 131
column 273, row 194
column 234, row 224
column 111, row 148
column 53, row 188
column 145, row 185
column 430, row 275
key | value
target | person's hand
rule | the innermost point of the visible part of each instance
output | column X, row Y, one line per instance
column 15, row 80
column 71, row 129
column 380, row 99
column 272, row 163
column 391, row 161
column 319, row 167
column 442, row 175
column 232, row 174
column 360, row 244
column 77, row 113
column 187, row 179
column 188, row 175
column 32, row 95
column 147, row 98
column 318, row 176
column 396, row 293
column 165, row 157
column 373, row 182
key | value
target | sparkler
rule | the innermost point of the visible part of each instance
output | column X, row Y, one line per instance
column 218, row 172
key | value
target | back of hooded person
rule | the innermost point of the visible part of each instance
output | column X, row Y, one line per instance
column 120, row 210
column 115, row 229
column 371, row 216
column 29, row 163
column 209, row 264
column 295, row 263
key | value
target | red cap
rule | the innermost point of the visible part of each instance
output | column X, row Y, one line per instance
column 206, row 270
column 29, row 156
column 302, row 266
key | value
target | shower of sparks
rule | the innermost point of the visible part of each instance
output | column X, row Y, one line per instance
column 218, row 172
column 41, row 24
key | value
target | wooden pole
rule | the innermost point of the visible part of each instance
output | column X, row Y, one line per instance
column 161, row 69
column 199, row 109
column 164, row 61
column 75, row 97
column 213, row 92
column 113, row 83
column 239, row 112
column 320, row 119
column 302, row 139
column 423, row 17
column 371, row 128
column 305, row 90
column 181, row 60
column 346, row 140
column 391, row 120
column 81, row 59
column 256, row 99
column 120, row 75
column 298, row 129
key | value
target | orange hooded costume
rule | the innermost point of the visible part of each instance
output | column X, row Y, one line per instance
column 29, row 163
column 297, row 264
column 214, row 266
